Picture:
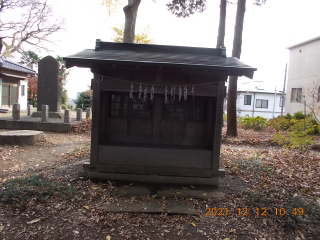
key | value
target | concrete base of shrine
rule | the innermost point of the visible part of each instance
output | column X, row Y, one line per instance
column 57, row 115
column 153, row 178
column 32, row 123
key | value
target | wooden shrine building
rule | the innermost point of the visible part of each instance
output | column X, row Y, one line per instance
column 157, row 111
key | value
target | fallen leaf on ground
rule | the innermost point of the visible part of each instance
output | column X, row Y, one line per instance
column 34, row 221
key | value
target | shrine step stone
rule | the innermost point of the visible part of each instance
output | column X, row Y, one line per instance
column 147, row 206
column 21, row 137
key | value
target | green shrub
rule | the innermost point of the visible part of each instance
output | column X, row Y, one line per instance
column 225, row 119
column 298, row 125
column 64, row 106
column 253, row 122
column 299, row 115
column 293, row 140
column 70, row 107
column 279, row 123
column 288, row 116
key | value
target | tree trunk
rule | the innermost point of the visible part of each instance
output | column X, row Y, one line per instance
column 232, row 90
column 130, row 12
column 222, row 23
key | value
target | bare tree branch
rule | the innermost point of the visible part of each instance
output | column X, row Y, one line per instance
column 311, row 95
column 34, row 27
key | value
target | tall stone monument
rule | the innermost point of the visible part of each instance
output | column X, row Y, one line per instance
column 48, row 87
column 48, row 84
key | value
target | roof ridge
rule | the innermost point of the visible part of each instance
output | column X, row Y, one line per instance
column 9, row 64
column 18, row 64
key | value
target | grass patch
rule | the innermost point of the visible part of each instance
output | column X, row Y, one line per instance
column 295, row 211
column 21, row 190
column 78, row 152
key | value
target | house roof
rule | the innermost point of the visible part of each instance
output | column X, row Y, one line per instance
column 257, row 89
column 304, row 42
column 7, row 64
column 109, row 52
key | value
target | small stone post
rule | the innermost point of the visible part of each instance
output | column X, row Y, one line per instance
column 44, row 113
column 79, row 114
column 67, row 116
column 88, row 113
column 16, row 111
column 30, row 109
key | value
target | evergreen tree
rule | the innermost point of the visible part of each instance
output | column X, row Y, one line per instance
column 83, row 101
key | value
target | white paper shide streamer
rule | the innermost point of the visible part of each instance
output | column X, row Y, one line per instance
column 145, row 93
column 140, row 91
column 185, row 92
column 173, row 92
column 131, row 91
column 152, row 93
column 166, row 95
column 180, row 93
column 192, row 91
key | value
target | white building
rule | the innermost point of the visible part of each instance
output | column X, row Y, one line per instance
column 258, row 102
column 14, row 84
column 303, row 75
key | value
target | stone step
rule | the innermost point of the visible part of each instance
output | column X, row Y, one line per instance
column 21, row 137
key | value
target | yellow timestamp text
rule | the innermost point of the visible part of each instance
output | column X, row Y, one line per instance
column 256, row 211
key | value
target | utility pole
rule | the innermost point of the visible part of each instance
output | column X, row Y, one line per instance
column 274, row 100
column 284, row 90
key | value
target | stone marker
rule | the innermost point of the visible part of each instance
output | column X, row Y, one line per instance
column 44, row 113
column 146, row 206
column 88, row 113
column 79, row 114
column 195, row 193
column 21, row 137
column 16, row 111
column 48, row 84
column 67, row 116
column 30, row 109
column 130, row 191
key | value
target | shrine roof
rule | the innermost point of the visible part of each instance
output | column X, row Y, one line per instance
column 160, row 54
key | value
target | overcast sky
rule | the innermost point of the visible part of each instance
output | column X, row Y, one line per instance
column 268, row 31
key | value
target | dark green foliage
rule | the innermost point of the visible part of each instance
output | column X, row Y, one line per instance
column 21, row 190
column 299, row 140
column 63, row 98
column 279, row 123
column 253, row 122
column 298, row 130
column 311, row 211
column 299, row 115
column 83, row 99
column 225, row 119
column 298, row 125
column 185, row 8
column 295, row 123
column 30, row 59
column 62, row 77
column 288, row 116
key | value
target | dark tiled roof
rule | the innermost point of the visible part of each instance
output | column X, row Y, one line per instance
column 159, row 54
column 5, row 63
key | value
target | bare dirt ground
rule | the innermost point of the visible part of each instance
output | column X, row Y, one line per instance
column 44, row 194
